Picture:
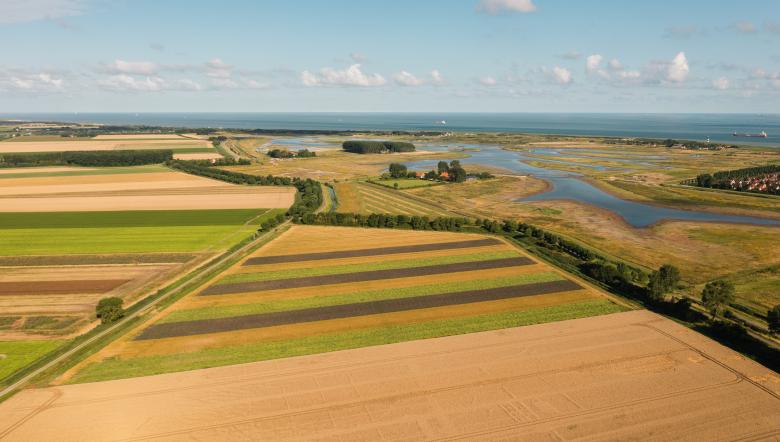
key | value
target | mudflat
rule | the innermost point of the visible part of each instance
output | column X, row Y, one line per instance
column 632, row 375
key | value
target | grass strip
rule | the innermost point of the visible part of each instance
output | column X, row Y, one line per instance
column 280, row 305
column 127, row 218
column 367, row 267
column 118, row 368
column 17, row 354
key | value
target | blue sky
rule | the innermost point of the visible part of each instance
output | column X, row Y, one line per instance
column 345, row 55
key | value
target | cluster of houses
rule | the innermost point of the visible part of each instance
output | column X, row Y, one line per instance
column 769, row 183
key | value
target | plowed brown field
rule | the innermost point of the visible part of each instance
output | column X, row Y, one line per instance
column 626, row 376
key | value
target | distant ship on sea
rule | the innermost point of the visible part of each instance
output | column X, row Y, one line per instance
column 762, row 134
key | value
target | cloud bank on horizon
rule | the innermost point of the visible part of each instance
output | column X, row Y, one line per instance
column 466, row 55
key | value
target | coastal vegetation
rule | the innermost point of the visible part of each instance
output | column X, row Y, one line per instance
column 367, row 147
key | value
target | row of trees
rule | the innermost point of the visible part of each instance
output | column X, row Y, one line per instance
column 364, row 147
column 100, row 158
column 284, row 153
column 308, row 198
column 387, row 221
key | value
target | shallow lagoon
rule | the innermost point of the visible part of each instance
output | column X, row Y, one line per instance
column 566, row 186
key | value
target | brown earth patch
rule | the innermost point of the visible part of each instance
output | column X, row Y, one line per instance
column 60, row 287
column 363, row 276
column 369, row 252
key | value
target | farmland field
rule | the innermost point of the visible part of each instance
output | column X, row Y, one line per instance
column 16, row 354
column 318, row 289
column 105, row 142
column 624, row 376
column 407, row 183
column 130, row 188
column 70, row 236
column 360, row 197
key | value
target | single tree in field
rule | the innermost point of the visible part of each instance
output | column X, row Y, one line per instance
column 716, row 295
column 773, row 318
column 110, row 309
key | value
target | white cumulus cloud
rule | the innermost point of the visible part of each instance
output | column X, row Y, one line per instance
column 217, row 68
column 678, row 69
column 593, row 63
column 436, row 77
column 132, row 67
column 351, row 76
column 561, row 75
column 127, row 83
column 405, row 78
column 499, row 6
column 30, row 82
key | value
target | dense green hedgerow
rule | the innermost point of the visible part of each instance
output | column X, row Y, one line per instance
column 377, row 146
column 102, row 158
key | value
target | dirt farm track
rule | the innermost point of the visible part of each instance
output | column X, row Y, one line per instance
column 625, row 376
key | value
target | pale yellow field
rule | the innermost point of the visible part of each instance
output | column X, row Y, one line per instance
column 96, row 145
column 138, row 136
column 197, row 156
column 15, row 170
column 249, row 198
column 625, row 376
column 138, row 191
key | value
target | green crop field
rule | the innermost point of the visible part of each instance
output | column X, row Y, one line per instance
column 17, row 354
column 53, row 233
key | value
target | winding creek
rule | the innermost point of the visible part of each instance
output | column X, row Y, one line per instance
column 567, row 186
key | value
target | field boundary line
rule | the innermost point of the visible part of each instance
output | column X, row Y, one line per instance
column 185, row 287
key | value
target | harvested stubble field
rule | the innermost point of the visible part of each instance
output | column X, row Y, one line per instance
column 110, row 142
column 625, row 376
column 305, row 293
column 146, row 190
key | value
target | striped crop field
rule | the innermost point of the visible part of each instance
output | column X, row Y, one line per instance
column 318, row 289
column 365, row 198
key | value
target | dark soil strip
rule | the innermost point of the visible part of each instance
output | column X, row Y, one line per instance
column 370, row 252
column 59, row 287
column 310, row 281
column 57, row 260
column 189, row 328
